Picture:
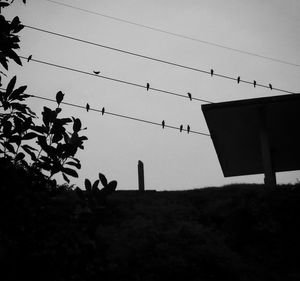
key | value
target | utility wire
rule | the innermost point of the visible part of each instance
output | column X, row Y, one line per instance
column 152, row 58
column 114, row 79
column 178, row 35
column 120, row 115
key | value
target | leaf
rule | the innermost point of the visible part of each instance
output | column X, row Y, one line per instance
column 28, row 147
column 39, row 129
column 16, row 93
column 83, row 138
column 11, row 86
column 9, row 147
column 59, row 97
column 4, row 61
column 30, row 136
column 18, row 28
column 15, row 139
column 110, row 188
column 58, row 110
column 46, row 116
column 113, row 185
column 57, row 137
column 19, row 106
column 88, row 185
column 15, row 23
column 76, row 125
column 103, row 179
column 66, row 178
column 2, row 4
column 70, row 172
column 12, row 54
column 77, row 165
column 19, row 156
column 95, row 186
column 7, row 127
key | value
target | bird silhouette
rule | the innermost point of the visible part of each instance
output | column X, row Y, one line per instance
column 190, row 96
column 163, row 124
column 96, row 72
column 211, row 72
column 238, row 79
column 103, row 110
column 188, row 128
column 270, row 86
column 254, row 83
column 148, row 86
column 29, row 58
column 87, row 107
column 180, row 128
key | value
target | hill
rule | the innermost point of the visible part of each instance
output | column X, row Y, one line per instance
column 237, row 232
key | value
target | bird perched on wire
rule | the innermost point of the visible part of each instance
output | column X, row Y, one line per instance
column 238, row 79
column 190, row 96
column 270, row 86
column 29, row 58
column 211, row 72
column 96, row 72
column 148, row 86
column 188, row 129
column 103, row 110
column 180, row 128
column 254, row 83
column 87, row 107
column 163, row 124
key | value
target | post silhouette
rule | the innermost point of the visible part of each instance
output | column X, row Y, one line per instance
column 141, row 176
column 266, row 152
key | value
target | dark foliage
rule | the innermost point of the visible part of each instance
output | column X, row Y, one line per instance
column 47, row 232
column 57, row 145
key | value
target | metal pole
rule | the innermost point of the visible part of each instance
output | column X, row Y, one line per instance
column 266, row 153
column 141, row 176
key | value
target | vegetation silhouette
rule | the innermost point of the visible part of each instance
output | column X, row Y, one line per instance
column 47, row 230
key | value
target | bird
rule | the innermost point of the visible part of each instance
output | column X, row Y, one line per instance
column 188, row 128
column 180, row 128
column 254, row 83
column 148, row 86
column 270, row 86
column 29, row 58
column 103, row 110
column 238, row 79
column 190, row 96
column 163, row 124
column 211, row 72
column 96, row 72
column 87, row 107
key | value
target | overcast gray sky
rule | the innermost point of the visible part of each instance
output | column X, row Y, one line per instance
column 172, row 160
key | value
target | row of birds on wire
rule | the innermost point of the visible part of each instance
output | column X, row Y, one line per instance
column 238, row 79
column 211, row 74
column 163, row 123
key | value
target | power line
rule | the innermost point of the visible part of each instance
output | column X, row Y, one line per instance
column 120, row 115
column 152, row 58
column 177, row 34
column 115, row 79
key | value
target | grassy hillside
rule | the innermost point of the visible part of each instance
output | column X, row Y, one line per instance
column 239, row 232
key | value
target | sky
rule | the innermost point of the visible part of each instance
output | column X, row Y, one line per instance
column 172, row 160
